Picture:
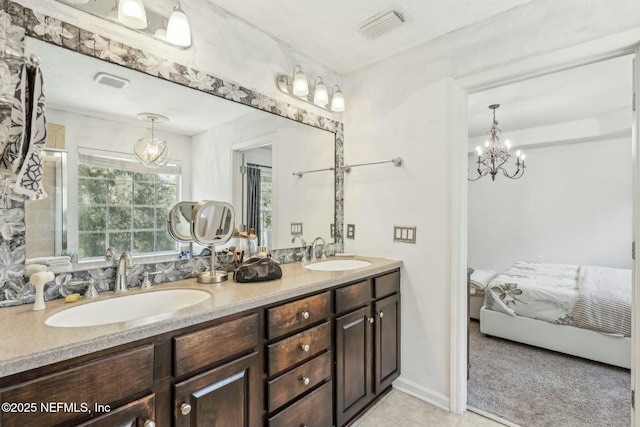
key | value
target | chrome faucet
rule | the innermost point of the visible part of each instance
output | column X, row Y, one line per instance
column 124, row 263
column 313, row 248
column 304, row 247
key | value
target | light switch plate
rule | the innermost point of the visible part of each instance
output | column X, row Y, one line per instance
column 296, row 229
column 351, row 231
column 404, row 233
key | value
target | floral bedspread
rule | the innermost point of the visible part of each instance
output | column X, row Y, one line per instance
column 536, row 290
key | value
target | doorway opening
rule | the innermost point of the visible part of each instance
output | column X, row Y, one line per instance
column 573, row 208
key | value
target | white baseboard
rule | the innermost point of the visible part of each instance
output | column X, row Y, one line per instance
column 419, row 392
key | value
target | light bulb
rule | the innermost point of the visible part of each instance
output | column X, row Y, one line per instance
column 522, row 157
column 178, row 29
column 300, row 84
column 479, row 150
column 486, row 143
column 132, row 14
column 337, row 100
column 320, row 94
column 507, row 144
column 518, row 153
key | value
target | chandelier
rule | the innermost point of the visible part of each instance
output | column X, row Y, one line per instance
column 496, row 154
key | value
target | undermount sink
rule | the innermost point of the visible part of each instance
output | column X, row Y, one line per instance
column 338, row 265
column 128, row 307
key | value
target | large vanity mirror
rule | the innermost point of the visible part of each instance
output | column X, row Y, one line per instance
column 220, row 150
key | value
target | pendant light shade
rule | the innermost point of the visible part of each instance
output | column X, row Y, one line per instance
column 132, row 14
column 320, row 94
column 152, row 151
column 300, row 84
column 178, row 29
column 337, row 100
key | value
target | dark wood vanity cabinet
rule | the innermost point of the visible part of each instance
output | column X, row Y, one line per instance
column 317, row 360
column 367, row 342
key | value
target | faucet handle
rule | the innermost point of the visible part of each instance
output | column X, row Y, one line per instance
column 111, row 255
column 146, row 283
column 91, row 291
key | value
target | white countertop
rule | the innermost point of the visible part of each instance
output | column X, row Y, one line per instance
column 29, row 343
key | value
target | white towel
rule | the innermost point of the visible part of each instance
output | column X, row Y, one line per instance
column 49, row 260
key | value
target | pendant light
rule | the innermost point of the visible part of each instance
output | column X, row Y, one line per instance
column 132, row 14
column 178, row 29
column 152, row 151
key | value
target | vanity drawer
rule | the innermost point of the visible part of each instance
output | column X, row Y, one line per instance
column 104, row 381
column 299, row 380
column 314, row 410
column 208, row 346
column 299, row 347
column 353, row 296
column 387, row 284
column 298, row 314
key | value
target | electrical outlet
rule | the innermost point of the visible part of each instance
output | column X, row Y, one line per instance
column 296, row 229
column 351, row 231
column 332, row 230
column 404, row 233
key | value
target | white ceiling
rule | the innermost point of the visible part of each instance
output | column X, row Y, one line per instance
column 327, row 30
column 69, row 86
column 591, row 91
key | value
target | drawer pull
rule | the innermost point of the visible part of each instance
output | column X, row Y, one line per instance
column 305, row 348
column 149, row 423
column 371, row 320
column 381, row 314
column 305, row 315
column 305, row 380
column 185, row 409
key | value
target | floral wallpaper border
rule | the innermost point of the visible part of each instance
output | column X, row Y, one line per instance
column 14, row 289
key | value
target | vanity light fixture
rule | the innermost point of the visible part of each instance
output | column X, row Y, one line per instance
column 298, row 87
column 496, row 154
column 173, row 29
column 151, row 151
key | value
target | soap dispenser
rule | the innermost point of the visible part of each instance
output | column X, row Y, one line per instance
column 38, row 280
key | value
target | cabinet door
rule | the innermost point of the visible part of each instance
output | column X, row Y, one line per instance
column 387, row 341
column 227, row 396
column 354, row 349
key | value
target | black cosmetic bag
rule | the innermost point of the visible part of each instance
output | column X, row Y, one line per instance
column 257, row 270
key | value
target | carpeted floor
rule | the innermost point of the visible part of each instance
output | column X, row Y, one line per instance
column 533, row 387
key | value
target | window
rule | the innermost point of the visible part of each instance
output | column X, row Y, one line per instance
column 124, row 205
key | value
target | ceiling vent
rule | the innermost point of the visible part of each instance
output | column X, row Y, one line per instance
column 382, row 23
column 111, row 80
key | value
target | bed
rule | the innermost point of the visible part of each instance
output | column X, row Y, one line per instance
column 583, row 310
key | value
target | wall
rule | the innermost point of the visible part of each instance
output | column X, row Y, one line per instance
column 90, row 132
column 572, row 206
column 410, row 105
column 295, row 147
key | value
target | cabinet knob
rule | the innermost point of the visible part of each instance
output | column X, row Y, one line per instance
column 305, row 315
column 185, row 409
column 305, row 380
column 381, row 315
column 371, row 320
column 149, row 423
column 305, row 347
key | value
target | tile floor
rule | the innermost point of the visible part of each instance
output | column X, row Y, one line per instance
column 399, row 409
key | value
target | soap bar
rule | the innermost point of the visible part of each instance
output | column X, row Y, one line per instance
column 72, row 298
